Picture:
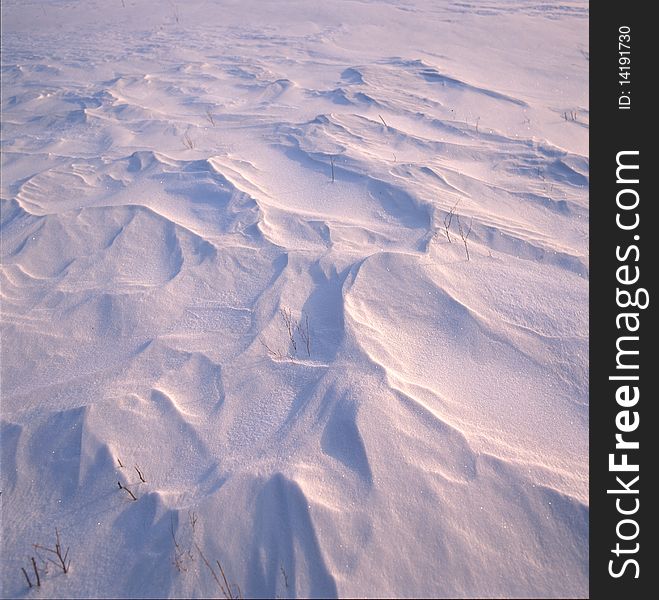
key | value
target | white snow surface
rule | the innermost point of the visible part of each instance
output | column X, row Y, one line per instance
column 168, row 197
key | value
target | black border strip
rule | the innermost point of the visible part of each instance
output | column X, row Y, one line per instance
column 614, row 130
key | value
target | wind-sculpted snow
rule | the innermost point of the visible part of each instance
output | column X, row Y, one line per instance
column 310, row 282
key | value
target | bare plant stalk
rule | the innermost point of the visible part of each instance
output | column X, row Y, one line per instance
column 448, row 219
column 288, row 320
column 176, row 13
column 171, row 531
column 228, row 587
column 62, row 557
column 263, row 343
column 209, row 116
column 120, row 463
column 332, row 163
column 36, row 572
column 121, row 487
column 225, row 587
column 307, row 335
column 270, row 350
column 465, row 235
column 140, row 474
column 58, row 551
column 29, row 583
column 213, row 573
column 182, row 555
column 290, row 327
column 447, row 225
column 187, row 140
column 178, row 553
column 303, row 330
column 381, row 119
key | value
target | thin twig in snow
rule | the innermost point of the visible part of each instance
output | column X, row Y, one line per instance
column 63, row 557
column 36, row 572
column 29, row 583
column 448, row 219
column 122, row 487
column 465, row 235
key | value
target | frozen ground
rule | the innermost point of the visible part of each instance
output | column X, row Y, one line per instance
column 167, row 206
